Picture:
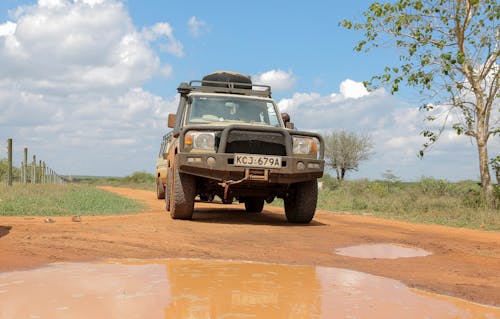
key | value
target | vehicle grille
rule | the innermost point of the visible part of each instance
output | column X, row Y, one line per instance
column 256, row 143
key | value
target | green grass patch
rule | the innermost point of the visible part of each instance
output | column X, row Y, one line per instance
column 429, row 200
column 69, row 199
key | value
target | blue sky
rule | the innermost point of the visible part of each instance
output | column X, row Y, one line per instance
column 87, row 84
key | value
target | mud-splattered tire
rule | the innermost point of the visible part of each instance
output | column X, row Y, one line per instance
column 300, row 205
column 168, row 190
column 254, row 205
column 182, row 195
column 160, row 190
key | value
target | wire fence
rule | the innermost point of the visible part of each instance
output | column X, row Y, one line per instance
column 29, row 172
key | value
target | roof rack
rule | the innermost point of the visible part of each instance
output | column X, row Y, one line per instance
column 225, row 87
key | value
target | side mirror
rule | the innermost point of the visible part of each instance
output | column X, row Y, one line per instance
column 289, row 125
column 171, row 120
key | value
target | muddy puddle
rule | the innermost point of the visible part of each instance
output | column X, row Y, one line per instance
column 383, row 251
column 181, row 288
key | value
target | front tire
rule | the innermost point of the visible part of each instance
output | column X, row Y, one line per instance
column 182, row 195
column 300, row 205
column 254, row 205
column 160, row 190
column 168, row 190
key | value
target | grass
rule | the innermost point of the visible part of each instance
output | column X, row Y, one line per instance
column 429, row 200
column 138, row 180
column 55, row 200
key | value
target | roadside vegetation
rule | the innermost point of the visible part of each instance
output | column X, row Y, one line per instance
column 137, row 180
column 428, row 200
column 56, row 200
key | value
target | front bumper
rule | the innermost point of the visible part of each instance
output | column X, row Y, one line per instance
column 220, row 167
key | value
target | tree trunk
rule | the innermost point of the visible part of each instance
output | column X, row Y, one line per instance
column 342, row 173
column 338, row 173
column 485, row 173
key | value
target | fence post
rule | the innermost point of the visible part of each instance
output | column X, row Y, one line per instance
column 9, row 160
column 25, row 166
column 33, row 170
column 42, row 172
column 22, row 172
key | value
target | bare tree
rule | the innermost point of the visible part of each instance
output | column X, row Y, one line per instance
column 345, row 150
column 449, row 51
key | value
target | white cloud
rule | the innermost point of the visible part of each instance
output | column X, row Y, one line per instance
column 51, row 3
column 352, row 89
column 7, row 29
column 197, row 27
column 62, row 46
column 71, row 85
column 279, row 80
column 164, row 29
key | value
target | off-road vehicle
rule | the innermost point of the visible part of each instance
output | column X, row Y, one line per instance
column 229, row 140
column 162, row 167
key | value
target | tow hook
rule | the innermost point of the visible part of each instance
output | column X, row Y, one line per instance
column 226, row 184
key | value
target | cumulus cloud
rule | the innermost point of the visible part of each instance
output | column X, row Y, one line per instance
column 279, row 80
column 61, row 45
column 352, row 90
column 71, row 84
column 7, row 29
column 164, row 29
column 197, row 27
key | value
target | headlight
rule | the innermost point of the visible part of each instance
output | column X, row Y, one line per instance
column 305, row 146
column 200, row 140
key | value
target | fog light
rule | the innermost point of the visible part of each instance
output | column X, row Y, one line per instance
column 300, row 166
column 211, row 161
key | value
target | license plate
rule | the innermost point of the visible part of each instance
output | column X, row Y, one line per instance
column 250, row 160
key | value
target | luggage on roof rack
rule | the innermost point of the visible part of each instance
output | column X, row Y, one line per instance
column 231, row 79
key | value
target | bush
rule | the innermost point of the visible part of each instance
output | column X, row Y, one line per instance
column 4, row 170
column 329, row 181
column 436, row 187
column 139, row 177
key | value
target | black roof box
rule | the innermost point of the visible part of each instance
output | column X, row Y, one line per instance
column 230, row 79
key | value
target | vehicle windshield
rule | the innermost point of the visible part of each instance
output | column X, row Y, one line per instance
column 216, row 109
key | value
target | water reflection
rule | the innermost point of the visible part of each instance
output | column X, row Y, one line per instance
column 208, row 289
column 384, row 251
column 216, row 289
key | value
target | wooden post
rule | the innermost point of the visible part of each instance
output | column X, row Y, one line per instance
column 42, row 175
column 25, row 166
column 39, row 172
column 22, row 172
column 33, row 170
column 9, row 159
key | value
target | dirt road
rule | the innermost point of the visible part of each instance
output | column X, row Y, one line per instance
column 464, row 263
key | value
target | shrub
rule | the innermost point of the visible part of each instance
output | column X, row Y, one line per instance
column 139, row 177
column 436, row 187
